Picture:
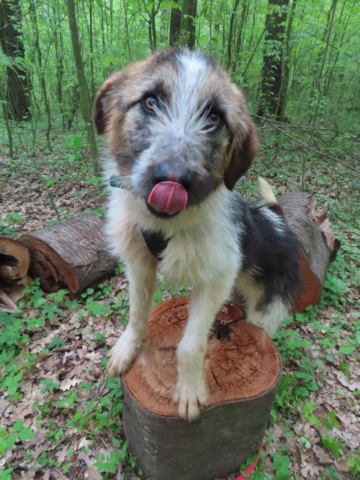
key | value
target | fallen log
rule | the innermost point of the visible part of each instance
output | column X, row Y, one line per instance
column 242, row 370
column 14, row 265
column 319, row 247
column 70, row 255
column 14, row 259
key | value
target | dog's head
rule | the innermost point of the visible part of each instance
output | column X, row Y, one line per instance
column 177, row 128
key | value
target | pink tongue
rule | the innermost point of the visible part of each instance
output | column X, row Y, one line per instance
column 168, row 197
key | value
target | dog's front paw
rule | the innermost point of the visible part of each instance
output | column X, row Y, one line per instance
column 190, row 397
column 122, row 355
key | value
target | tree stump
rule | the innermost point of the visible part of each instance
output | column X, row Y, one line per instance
column 70, row 254
column 242, row 370
column 319, row 247
column 14, row 265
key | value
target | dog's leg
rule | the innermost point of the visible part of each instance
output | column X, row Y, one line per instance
column 191, row 391
column 269, row 316
column 142, row 278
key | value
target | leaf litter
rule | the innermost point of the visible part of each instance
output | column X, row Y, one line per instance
column 70, row 373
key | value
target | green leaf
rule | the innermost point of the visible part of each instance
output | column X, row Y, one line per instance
column 304, row 375
column 282, row 464
column 158, row 296
column 56, row 342
column 10, row 441
column 70, row 452
column 18, row 425
column 347, row 350
column 26, row 434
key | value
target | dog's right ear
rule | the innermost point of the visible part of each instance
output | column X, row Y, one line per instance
column 104, row 103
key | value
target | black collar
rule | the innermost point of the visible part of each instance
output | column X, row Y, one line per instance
column 155, row 242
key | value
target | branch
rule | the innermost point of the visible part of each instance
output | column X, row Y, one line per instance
column 157, row 8
column 319, row 152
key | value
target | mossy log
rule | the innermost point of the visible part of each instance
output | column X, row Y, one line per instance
column 242, row 370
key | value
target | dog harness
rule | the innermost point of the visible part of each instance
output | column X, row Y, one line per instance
column 155, row 242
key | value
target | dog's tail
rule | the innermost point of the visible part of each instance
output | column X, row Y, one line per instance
column 266, row 192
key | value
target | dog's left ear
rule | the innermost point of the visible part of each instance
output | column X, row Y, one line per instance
column 244, row 149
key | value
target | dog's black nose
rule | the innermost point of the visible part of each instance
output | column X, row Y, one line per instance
column 165, row 172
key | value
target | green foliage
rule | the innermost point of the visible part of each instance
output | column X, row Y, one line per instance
column 354, row 464
column 315, row 150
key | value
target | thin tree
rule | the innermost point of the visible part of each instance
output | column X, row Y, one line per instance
column 320, row 89
column 16, row 95
column 127, row 29
column 83, row 88
column 286, row 61
column 36, row 38
column 337, row 46
column 239, row 40
column 151, row 13
column 231, row 32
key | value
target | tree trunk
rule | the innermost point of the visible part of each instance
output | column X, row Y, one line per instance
column 55, row 25
column 33, row 14
column 332, row 64
column 286, row 61
column 70, row 255
column 83, row 89
column 231, row 31
column 175, row 21
column 242, row 371
column 7, row 123
column 239, row 40
column 187, row 23
column 153, row 26
column 210, row 26
column 91, row 50
column 127, row 29
column 270, row 102
column 17, row 88
column 320, row 89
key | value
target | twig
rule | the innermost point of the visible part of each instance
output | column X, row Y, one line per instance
column 319, row 152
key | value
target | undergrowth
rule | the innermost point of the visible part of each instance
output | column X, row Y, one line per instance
column 310, row 344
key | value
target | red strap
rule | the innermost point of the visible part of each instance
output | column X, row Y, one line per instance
column 250, row 468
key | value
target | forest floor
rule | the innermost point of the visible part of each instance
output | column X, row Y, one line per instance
column 60, row 415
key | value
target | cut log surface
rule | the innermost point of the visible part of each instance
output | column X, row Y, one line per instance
column 318, row 244
column 242, row 370
column 70, row 254
column 14, row 265
column 14, row 259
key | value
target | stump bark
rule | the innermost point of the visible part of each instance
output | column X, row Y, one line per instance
column 319, row 247
column 70, row 254
column 242, row 370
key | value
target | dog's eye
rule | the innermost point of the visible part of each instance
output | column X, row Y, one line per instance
column 150, row 103
column 214, row 120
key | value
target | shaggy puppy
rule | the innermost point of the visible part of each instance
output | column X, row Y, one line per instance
column 179, row 137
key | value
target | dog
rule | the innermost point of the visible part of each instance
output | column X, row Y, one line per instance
column 179, row 137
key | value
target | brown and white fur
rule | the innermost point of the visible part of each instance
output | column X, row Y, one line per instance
column 178, row 113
